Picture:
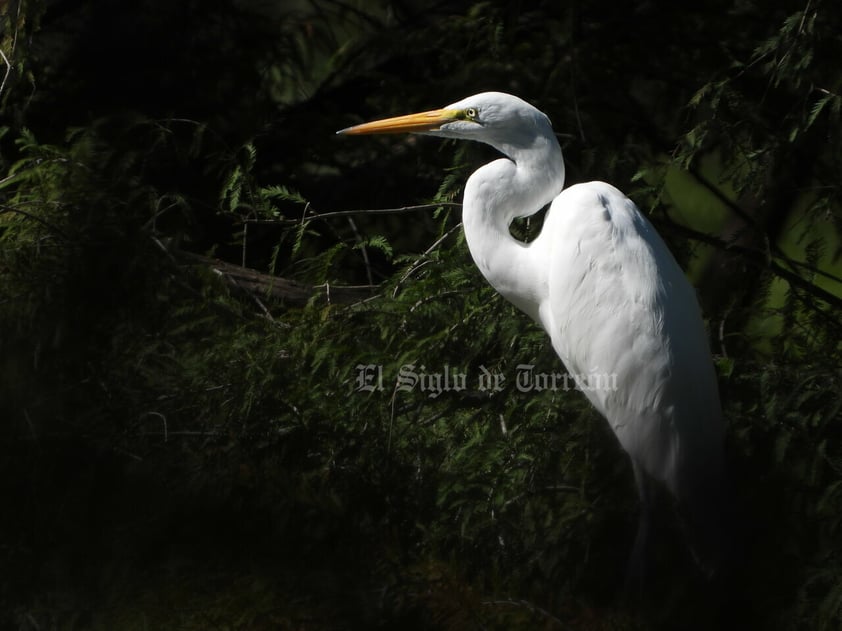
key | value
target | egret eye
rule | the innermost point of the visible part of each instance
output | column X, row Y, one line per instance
column 471, row 113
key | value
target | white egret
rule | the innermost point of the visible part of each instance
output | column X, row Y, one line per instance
column 609, row 294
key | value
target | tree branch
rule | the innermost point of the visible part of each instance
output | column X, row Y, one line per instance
column 759, row 259
column 289, row 292
column 349, row 213
column 11, row 209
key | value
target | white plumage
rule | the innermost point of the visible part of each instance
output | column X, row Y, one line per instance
column 607, row 291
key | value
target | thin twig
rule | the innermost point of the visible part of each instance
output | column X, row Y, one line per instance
column 263, row 308
column 424, row 261
column 28, row 215
column 245, row 243
column 445, row 294
column 535, row 609
column 363, row 250
column 722, row 198
column 751, row 221
column 163, row 422
column 8, row 71
column 200, row 433
column 760, row 259
column 347, row 213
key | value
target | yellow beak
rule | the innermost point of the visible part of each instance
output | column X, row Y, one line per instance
column 423, row 121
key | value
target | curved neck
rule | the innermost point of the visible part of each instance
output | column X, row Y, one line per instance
column 496, row 194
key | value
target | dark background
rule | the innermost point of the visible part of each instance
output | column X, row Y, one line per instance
column 182, row 444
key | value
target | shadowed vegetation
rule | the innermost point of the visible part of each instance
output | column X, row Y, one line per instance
column 212, row 412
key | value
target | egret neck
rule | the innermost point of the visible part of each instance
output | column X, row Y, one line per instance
column 519, row 185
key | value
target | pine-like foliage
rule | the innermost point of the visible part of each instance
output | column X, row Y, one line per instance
column 231, row 398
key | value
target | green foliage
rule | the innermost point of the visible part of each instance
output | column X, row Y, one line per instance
column 181, row 450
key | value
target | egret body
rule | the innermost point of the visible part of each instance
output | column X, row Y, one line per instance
column 610, row 295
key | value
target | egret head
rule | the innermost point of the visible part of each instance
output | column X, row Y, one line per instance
column 503, row 121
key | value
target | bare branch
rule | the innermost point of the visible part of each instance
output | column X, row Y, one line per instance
column 258, row 285
column 760, row 259
column 8, row 71
column 363, row 250
column 11, row 209
column 348, row 213
column 422, row 260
